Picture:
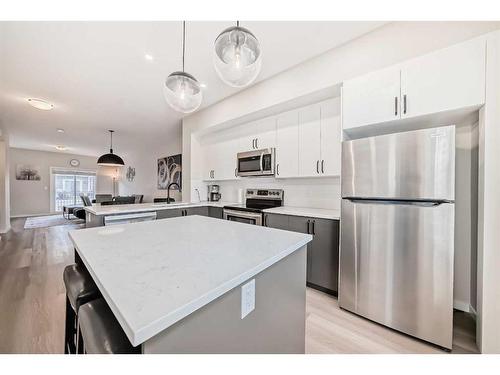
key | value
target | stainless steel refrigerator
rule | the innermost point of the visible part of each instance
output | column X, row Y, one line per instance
column 397, row 231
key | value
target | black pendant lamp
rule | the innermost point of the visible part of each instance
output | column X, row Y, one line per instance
column 110, row 160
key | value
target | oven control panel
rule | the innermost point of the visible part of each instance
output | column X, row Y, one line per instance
column 264, row 194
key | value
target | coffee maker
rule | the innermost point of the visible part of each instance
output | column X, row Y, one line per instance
column 213, row 193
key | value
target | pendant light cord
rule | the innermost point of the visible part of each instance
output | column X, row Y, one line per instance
column 183, row 43
column 111, row 148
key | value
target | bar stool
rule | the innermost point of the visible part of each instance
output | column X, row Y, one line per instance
column 80, row 288
column 101, row 332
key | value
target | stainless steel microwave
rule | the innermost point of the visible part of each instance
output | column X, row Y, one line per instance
column 256, row 163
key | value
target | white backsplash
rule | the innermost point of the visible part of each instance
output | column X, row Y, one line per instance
column 303, row 192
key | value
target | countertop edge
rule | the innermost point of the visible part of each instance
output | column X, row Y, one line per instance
column 303, row 212
column 158, row 208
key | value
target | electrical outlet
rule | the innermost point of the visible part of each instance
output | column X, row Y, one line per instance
column 247, row 298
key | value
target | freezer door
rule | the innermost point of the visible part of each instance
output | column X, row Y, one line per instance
column 396, row 266
column 412, row 165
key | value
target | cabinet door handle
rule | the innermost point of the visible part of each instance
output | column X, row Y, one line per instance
column 278, row 169
column 235, row 172
column 308, row 225
column 265, row 221
column 404, row 104
column 257, row 143
column 395, row 106
column 254, row 144
column 313, row 227
column 317, row 166
column 323, row 166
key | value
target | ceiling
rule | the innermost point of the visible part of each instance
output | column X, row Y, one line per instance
column 97, row 76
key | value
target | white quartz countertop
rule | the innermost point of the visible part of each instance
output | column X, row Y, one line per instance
column 145, row 207
column 152, row 274
column 321, row 213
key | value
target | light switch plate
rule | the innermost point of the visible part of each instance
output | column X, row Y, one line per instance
column 247, row 298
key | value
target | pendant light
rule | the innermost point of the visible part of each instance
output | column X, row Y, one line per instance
column 110, row 160
column 181, row 90
column 237, row 56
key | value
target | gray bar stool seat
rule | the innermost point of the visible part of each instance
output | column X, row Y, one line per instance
column 101, row 332
column 80, row 288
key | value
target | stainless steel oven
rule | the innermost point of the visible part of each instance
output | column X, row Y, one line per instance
column 256, row 163
column 254, row 218
column 257, row 200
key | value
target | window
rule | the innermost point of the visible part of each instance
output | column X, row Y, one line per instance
column 69, row 185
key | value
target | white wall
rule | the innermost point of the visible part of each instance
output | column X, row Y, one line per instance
column 33, row 197
column 385, row 46
column 465, row 220
column 4, row 184
column 144, row 160
column 488, row 256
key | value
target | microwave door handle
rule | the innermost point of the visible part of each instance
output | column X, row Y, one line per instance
column 262, row 162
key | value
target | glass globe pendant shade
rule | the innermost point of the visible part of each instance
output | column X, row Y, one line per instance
column 182, row 92
column 237, row 56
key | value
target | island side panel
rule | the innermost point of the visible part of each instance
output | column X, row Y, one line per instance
column 277, row 325
column 92, row 220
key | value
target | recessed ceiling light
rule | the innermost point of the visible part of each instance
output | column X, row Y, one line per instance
column 40, row 104
column 148, row 57
column 59, row 130
column 203, row 85
column 61, row 148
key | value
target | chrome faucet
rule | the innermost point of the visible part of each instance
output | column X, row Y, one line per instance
column 168, row 190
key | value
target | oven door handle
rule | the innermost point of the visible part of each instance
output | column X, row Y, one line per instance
column 243, row 214
column 262, row 162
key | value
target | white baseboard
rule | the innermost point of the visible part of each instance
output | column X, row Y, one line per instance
column 32, row 215
column 4, row 229
column 462, row 306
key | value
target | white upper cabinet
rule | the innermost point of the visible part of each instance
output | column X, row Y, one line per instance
column 330, row 138
column 445, row 80
column 266, row 133
column 309, row 140
column 287, row 144
column 448, row 79
column 372, row 98
column 257, row 135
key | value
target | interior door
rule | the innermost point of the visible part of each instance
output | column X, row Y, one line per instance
column 372, row 98
column 309, row 140
column 396, row 265
column 448, row 79
column 287, row 145
column 330, row 138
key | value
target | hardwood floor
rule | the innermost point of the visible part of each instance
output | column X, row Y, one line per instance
column 32, row 305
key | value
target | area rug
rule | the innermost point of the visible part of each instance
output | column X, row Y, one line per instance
column 49, row 221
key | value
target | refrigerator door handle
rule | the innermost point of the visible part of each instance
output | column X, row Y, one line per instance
column 399, row 202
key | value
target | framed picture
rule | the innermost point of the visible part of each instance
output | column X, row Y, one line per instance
column 26, row 172
column 170, row 170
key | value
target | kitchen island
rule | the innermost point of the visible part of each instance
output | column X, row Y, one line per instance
column 184, row 285
column 99, row 215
